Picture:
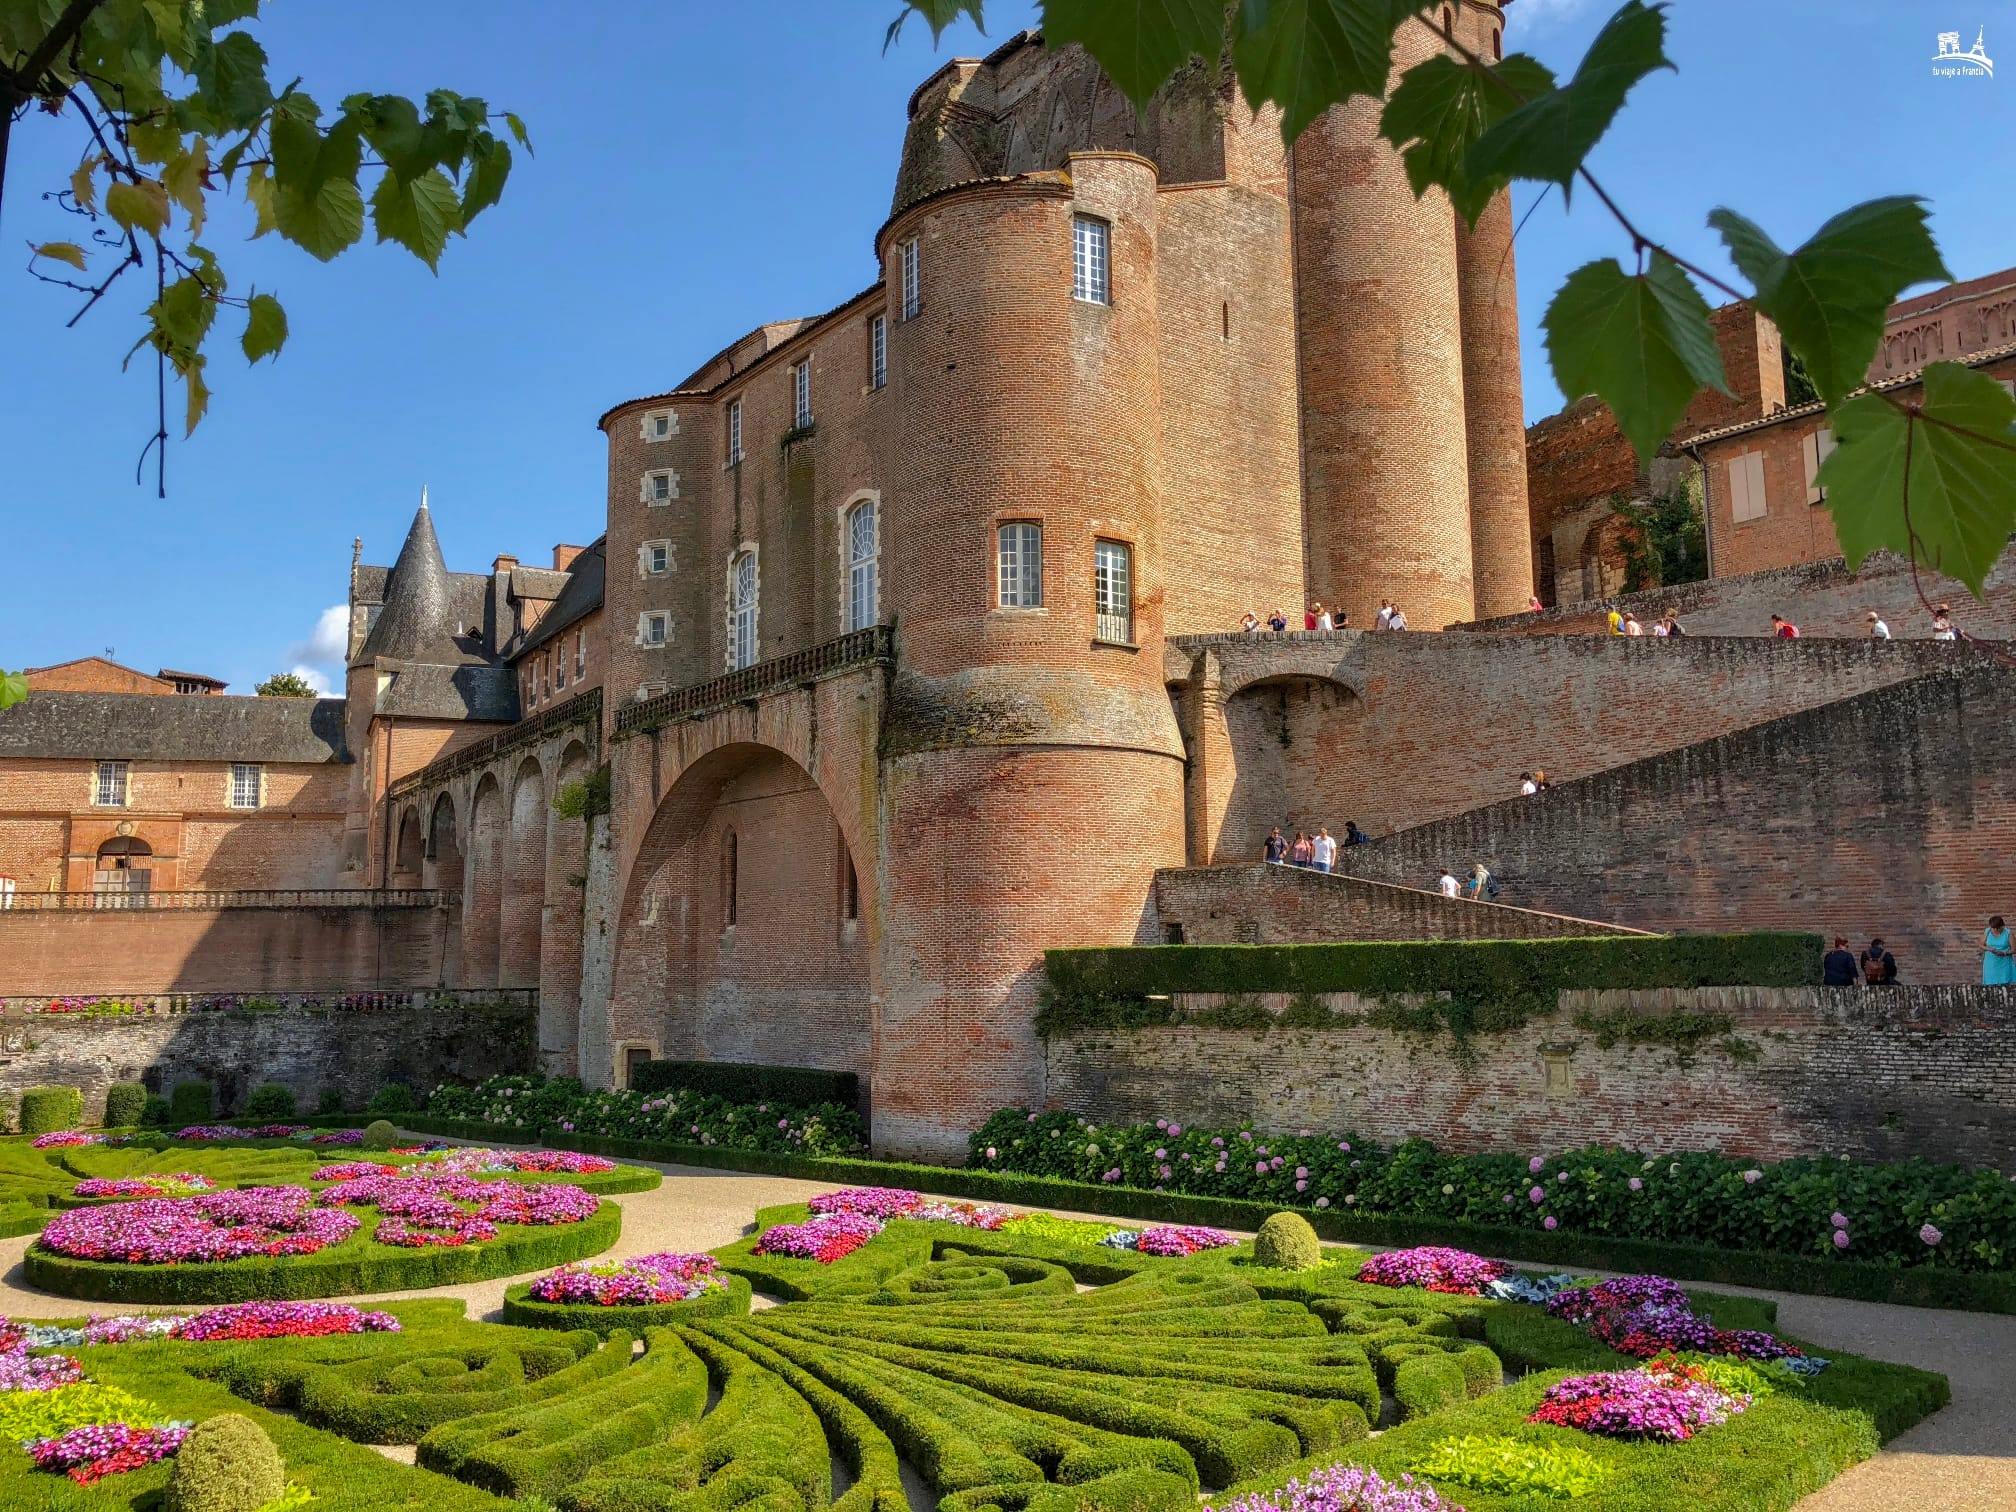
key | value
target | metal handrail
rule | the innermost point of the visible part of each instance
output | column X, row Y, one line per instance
column 859, row 648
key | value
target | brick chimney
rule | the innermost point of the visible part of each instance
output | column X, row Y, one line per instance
column 563, row 556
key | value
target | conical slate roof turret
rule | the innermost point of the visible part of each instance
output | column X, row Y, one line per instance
column 418, row 620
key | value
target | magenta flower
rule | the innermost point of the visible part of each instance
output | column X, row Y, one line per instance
column 1301, row 1186
column 1161, row 1154
column 1536, row 1165
column 1174, row 1130
column 1635, row 1184
column 1537, row 1195
column 992, row 1154
column 1259, row 1168
column 1751, row 1178
column 1839, row 1220
column 1301, row 1173
column 1550, row 1222
column 1930, row 1234
column 1840, row 1238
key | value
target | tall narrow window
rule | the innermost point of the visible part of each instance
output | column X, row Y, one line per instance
column 863, row 589
column 246, row 785
column 1113, row 591
column 878, row 351
column 111, row 792
column 913, row 279
column 580, row 653
column 801, row 394
column 850, row 888
column 734, row 431
column 1091, row 279
column 559, row 668
column 1021, row 566
column 1817, row 447
column 731, row 879
column 742, row 612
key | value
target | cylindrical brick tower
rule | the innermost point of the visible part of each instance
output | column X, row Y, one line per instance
column 1031, row 767
column 1379, row 318
column 1501, row 530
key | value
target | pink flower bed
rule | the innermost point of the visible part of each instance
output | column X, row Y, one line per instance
column 91, row 1453
column 339, row 1137
column 973, row 1215
column 641, row 1281
column 214, row 1226
column 281, row 1320
column 63, row 1137
column 1170, row 1240
column 353, row 1170
column 1343, row 1488
column 468, row 1161
column 21, row 1371
column 181, row 1184
column 825, row 1238
column 422, row 1208
column 1644, row 1316
column 1457, row 1272
column 1665, row 1400
column 881, row 1203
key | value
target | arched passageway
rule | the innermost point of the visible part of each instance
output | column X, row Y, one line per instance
column 524, row 881
column 483, row 891
column 1299, row 761
column 408, row 852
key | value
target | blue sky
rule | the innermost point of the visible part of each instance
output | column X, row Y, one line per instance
column 705, row 167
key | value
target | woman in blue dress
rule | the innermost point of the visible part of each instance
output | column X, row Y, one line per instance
column 1998, row 959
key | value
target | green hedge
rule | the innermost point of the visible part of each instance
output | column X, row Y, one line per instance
column 793, row 1086
column 520, row 1309
column 1118, row 986
column 125, row 1102
column 46, row 1110
column 357, row 1265
column 191, row 1102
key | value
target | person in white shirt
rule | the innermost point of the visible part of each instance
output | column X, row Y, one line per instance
column 1448, row 884
column 1385, row 620
column 1326, row 851
column 1251, row 624
column 1527, row 786
column 1324, row 622
column 1396, row 621
column 1631, row 625
column 1877, row 629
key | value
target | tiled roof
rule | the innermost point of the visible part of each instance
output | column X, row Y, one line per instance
column 543, row 583
column 1818, row 407
column 144, row 727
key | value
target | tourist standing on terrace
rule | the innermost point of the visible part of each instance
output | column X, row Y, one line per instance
column 1354, row 835
column 1396, row 620
column 1277, row 847
column 1631, row 625
column 1877, row 629
column 1324, row 850
column 1250, row 624
column 1446, row 884
column 1998, row 959
column 1837, row 967
column 1879, row 967
column 1303, row 851
column 1942, row 624
column 1385, row 619
column 1616, row 622
column 1277, row 622
column 1783, row 629
column 1672, row 624
column 1483, row 886
column 1527, row 786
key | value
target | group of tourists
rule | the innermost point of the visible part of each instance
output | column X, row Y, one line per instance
column 1317, row 852
column 1877, row 966
column 1316, row 617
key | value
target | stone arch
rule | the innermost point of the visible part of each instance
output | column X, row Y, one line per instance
column 562, row 932
column 408, row 850
column 786, row 982
column 442, row 867
column 483, row 894
column 1602, row 558
column 1299, row 760
column 524, row 884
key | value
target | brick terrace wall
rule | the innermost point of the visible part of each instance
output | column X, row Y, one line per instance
column 1892, row 813
column 304, row 1050
column 1285, row 905
column 221, row 950
column 1883, row 1074
column 1397, row 730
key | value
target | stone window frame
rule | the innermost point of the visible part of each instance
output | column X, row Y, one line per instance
column 658, row 425
column 1092, row 260
column 235, row 786
column 750, row 552
column 801, row 393
column 647, row 621
column 558, row 657
column 996, row 535
column 878, row 352
column 1103, row 632
column 869, row 498
column 658, row 487
column 647, row 564
column 114, row 778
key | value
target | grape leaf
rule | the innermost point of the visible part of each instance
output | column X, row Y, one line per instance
column 1641, row 343
column 1139, row 43
column 492, row 166
column 1831, row 295
column 184, row 178
column 190, row 370
column 84, row 183
column 1547, row 139
column 64, row 252
column 265, row 328
column 1307, row 55
column 231, row 80
column 1954, row 448
column 138, row 207
column 13, row 688
column 1442, row 106
column 322, row 223
column 518, row 132
column 937, row 14
column 417, row 213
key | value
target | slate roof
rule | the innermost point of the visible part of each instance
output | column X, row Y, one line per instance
column 145, row 727
column 427, row 690
column 538, row 582
column 1819, row 407
column 426, row 606
column 581, row 597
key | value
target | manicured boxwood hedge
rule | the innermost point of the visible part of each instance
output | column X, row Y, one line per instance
column 1114, row 987
column 794, row 1086
column 359, row 1264
column 522, row 1310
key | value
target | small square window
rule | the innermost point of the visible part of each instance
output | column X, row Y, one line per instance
column 653, row 628
column 654, row 558
column 660, row 487
column 660, row 425
column 111, row 788
column 247, row 785
column 1091, row 278
column 734, row 431
column 913, row 279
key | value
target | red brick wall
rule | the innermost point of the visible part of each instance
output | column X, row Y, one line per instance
column 1947, row 324
column 1879, row 1075
column 1891, row 813
column 94, row 674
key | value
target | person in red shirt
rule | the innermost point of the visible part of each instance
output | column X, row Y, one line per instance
column 1783, row 628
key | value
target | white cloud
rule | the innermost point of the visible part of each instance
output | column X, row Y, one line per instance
column 329, row 642
column 317, row 679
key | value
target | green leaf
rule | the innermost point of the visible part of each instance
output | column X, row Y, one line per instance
column 391, row 124
column 1444, row 105
column 1830, row 297
column 937, row 14
column 184, row 178
column 1139, row 43
column 1548, row 139
column 323, row 223
column 259, row 195
column 84, row 183
column 1307, row 55
column 231, row 80
column 1955, row 450
column 138, row 207
column 182, row 315
column 1641, row 343
column 170, row 25
column 265, row 329
column 13, row 688
column 417, row 213
column 486, row 178
column 518, row 131
column 191, row 374
column 64, row 252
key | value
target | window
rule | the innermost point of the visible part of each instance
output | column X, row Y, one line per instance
column 1816, row 448
column 559, row 655
column 1113, row 592
column 913, row 280
column 247, row 785
column 660, row 425
column 862, row 550
column 850, row 887
column 734, row 431
column 878, row 351
column 580, row 653
column 801, row 394
column 742, row 612
column 654, row 628
column 731, row 878
column 1746, row 487
column 1021, row 566
column 1090, row 279
column 1498, row 44
column 111, row 785
column 539, row 678
column 660, row 487
column 654, row 559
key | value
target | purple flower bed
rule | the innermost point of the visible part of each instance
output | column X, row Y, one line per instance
column 1457, row 1272
column 281, row 1320
column 91, row 1453
column 1174, row 1240
column 1343, row 1488
column 1643, row 1316
column 339, row 1137
column 63, row 1137
column 881, row 1203
column 641, row 1281
column 214, row 1226
column 181, row 1184
column 1666, row 1400
column 21, row 1371
column 825, row 1238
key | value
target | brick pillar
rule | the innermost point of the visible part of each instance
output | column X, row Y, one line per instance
column 1207, row 787
column 1501, row 532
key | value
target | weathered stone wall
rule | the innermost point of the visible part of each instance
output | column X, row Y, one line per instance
column 1883, row 1074
column 304, row 1050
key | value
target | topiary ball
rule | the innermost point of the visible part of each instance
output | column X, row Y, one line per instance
column 1286, row 1242
column 380, row 1135
column 226, row 1464
column 124, row 1104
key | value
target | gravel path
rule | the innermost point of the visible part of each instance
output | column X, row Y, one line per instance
column 1958, row 1460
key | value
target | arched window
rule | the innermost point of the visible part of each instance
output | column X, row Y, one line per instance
column 742, row 645
column 1448, row 22
column 863, row 577
column 731, row 878
column 1497, row 43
